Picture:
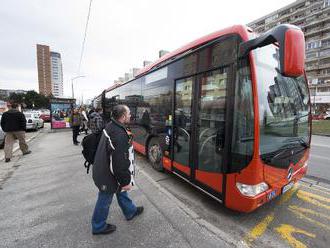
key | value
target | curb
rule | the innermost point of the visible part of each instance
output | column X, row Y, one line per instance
column 321, row 134
column 17, row 148
column 195, row 217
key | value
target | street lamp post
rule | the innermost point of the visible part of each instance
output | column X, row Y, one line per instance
column 72, row 83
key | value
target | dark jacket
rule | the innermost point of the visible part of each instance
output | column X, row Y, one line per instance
column 114, row 159
column 13, row 120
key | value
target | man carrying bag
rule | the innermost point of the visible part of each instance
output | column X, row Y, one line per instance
column 113, row 171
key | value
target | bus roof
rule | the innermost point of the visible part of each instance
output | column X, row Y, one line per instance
column 236, row 29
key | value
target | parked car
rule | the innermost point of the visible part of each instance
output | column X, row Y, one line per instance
column 318, row 116
column 33, row 122
column 327, row 116
column 2, row 136
column 45, row 115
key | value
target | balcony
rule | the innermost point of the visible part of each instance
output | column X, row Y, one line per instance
column 323, row 76
column 324, row 66
column 312, row 68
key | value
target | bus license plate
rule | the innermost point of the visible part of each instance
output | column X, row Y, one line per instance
column 287, row 187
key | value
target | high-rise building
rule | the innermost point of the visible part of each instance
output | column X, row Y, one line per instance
column 146, row 63
column 57, row 74
column 161, row 53
column 134, row 71
column 313, row 17
column 50, row 74
column 44, row 70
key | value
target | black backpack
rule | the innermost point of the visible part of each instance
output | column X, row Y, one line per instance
column 89, row 144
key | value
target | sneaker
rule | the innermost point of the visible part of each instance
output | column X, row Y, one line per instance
column 27, row 152
column 7, row 160
column 139, row 210
column 108, row 229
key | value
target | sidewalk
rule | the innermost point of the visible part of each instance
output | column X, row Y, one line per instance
column 49, row 200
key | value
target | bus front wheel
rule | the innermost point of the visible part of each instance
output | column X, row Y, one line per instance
column 155, row 154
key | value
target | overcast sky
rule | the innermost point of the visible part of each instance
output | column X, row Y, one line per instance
column 121, row 34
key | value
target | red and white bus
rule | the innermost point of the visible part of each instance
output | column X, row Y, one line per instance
column 229, row 113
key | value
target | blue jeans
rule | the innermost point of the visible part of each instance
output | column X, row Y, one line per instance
column 102, row 206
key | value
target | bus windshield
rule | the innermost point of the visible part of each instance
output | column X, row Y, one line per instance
column 284, row 107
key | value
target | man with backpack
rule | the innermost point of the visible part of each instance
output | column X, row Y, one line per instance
column 113, row 171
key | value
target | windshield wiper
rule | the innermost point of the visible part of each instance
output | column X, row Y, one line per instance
column 285, row 151
column 294, row 140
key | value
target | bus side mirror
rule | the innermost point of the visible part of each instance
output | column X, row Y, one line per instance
column 293, row 58
column 292, row 48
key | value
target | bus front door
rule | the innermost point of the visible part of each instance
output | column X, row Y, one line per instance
column 199, row 128
column 209, row 138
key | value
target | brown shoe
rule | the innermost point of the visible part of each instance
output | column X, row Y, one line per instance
column 7, row 160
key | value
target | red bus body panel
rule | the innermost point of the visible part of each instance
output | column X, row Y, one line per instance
column 276, row 178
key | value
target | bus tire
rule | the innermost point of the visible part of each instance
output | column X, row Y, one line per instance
column 155, row 154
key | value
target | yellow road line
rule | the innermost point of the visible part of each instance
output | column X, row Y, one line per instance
column 286, row 232
column 259, row 229
column 313, row 199
column 309, row 211
column 299, row 211
column 322, row 188
column 316, row 189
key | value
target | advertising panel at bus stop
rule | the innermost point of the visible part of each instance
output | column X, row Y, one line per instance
column 60, row 112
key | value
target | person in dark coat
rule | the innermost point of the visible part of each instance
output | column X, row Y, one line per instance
column 75, row 122
column 113, row 171
column 13, row 122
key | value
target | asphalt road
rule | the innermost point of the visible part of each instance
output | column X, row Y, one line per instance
column 28, row 136
column 47, row 200
column 299, row 218
column 319, row 163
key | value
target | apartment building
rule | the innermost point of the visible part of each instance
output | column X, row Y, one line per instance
column 44, row 70
column 313, row 17
column 50, row 75
column 56, row 74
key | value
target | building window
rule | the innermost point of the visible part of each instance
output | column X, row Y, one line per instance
column 271, row 18
column 313, row 44
column 326, row 3
column 325, row 43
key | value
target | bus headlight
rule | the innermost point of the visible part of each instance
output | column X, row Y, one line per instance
column 251, row 190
